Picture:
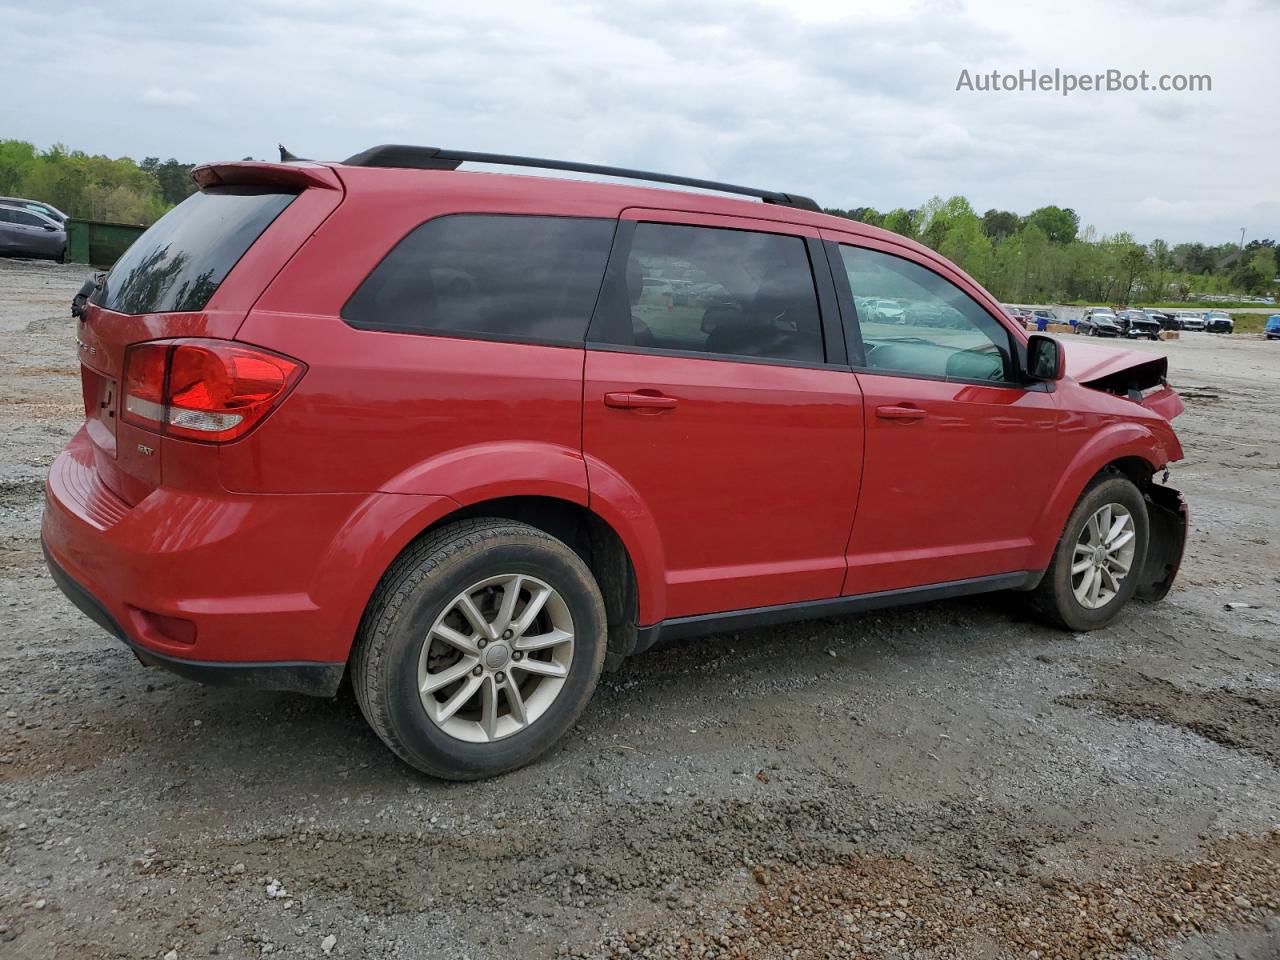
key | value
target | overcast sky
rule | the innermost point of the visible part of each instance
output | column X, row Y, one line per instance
column 852, row 102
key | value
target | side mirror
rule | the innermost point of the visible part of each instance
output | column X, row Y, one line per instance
column 1046, row 358
column 48, row 226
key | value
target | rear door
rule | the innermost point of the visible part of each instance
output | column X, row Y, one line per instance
column 960, row 455
column 716, row 387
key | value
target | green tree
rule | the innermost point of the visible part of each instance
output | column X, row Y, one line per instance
column 1058, row 223
column 998, row 224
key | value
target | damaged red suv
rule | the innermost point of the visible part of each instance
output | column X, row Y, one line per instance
column 470, row 437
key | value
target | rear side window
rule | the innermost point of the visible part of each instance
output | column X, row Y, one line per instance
column 711, row 290
column 522, row 278
column 181, row 260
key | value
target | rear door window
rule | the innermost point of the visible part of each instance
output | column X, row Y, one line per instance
column 739, row 293
column 179, row 263
column 501, row 277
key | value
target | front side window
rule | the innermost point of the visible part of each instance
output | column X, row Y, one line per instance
column 491, row 276
column 914, row 322
column 710, row 290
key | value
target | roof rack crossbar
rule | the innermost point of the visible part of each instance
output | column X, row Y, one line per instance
column 436, row 158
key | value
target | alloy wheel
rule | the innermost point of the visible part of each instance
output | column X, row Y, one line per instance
column 1103, row 556
column 496, row 659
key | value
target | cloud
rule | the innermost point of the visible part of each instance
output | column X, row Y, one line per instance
column 161, row 97
column 850, row 101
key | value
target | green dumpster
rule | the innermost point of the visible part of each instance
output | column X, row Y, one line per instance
column 98, row 242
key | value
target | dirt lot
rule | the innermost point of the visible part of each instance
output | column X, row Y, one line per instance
column 945, row 781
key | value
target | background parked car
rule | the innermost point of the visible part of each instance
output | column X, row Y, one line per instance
column 1021, row 314
column 1219, row 321
column 48, row 210
column 1099, row 322
column 1136, row 323
column 1273, row 327
column 25, row 233
column 1191, row 321
column 1166, row 319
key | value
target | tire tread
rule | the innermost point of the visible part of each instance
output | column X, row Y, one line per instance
column 419, row 561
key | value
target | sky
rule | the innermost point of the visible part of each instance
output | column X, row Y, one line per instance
column 852, row 102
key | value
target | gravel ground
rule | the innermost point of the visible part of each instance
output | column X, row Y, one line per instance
column 943, row 781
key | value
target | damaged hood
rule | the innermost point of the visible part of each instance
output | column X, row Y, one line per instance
column 1131, row 374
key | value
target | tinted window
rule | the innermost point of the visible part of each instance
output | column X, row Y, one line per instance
column 933, row 328
column 27, row 219
column 709, row 290
column 509, row 277
column 179, row 262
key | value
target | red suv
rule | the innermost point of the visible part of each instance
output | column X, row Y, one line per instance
column 473, row 437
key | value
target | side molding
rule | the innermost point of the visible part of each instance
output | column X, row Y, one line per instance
column 683, row 628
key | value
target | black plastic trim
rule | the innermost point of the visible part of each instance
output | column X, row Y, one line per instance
column 439, row 158
column 314, row 678
column 844, row 299
column 683, row 628
column 828, row 303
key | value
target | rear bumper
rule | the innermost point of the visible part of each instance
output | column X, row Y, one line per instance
column 262, row 590
column 315, row 679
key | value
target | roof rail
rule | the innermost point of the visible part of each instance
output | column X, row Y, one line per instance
column 437, row 158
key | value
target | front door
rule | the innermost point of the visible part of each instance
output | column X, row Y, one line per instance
column 708, row 391
column 960, row 454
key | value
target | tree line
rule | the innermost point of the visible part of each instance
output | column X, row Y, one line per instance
column 1044, row 257
column 93, row 187
column 1038, row 258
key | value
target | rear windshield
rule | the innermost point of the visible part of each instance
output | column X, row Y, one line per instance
column 179, row 262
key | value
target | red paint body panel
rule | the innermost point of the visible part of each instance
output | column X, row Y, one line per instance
column 751, row 481
column 954, row 494
column 765, row 483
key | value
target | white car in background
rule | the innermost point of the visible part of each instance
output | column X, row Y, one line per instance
column 1191, row 321
column 1219, row 321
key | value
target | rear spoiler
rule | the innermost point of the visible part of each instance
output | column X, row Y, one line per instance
column 250, row 173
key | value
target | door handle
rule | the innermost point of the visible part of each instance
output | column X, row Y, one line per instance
column 900, row 412
column 640, row 401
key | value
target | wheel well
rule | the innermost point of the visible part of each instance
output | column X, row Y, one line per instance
column 1132, row 468
column 594, row 540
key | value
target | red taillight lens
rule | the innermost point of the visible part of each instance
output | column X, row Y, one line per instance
column 211, row 390
column 144, row 384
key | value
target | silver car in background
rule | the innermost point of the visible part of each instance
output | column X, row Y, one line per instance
column 48, row 209
column 26, row 233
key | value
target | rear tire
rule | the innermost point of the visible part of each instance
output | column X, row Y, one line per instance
column 515, row 690
column 1086, row 555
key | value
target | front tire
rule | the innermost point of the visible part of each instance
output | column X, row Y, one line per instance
column 1095, row 567
column 480, row 648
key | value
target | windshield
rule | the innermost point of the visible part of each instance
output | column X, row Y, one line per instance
column 179, row 263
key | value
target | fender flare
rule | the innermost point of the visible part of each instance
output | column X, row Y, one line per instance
column 387, row 521
column 618, row 504
column 1117, row 441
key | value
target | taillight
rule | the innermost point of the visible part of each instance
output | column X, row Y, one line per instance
column 211, row 390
